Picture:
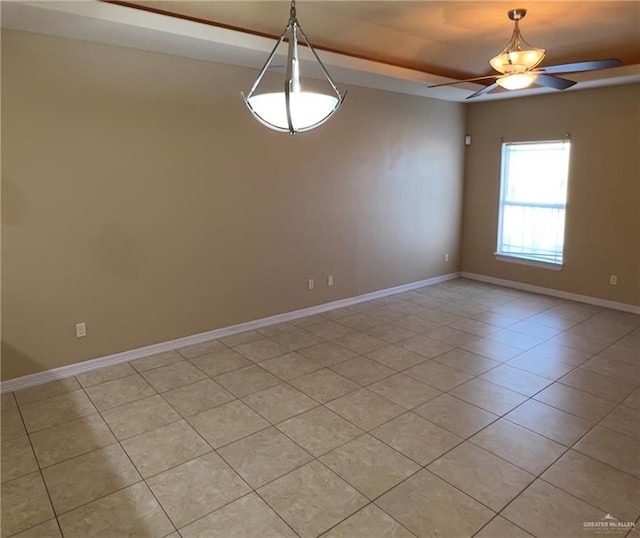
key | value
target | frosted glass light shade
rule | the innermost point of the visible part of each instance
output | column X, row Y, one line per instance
column 517, row 61
column 517, row 81
column 307, row 109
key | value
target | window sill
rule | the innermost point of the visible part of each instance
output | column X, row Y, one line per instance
column 525, row 261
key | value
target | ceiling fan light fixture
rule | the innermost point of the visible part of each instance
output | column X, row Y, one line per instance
column 517, row 61
column 518, row 56
column 518, row 66
column 517, row 81
column 293, row 110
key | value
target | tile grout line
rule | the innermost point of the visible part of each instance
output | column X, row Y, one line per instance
column 142, row 479
column 495, row 517
column 39, row 470
column 539, row 477
column 535, row 477
column 370, row 503
column 320, row 404
column 287, row 382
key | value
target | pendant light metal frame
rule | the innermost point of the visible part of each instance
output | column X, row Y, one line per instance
column 517, row 45
column 292, row 81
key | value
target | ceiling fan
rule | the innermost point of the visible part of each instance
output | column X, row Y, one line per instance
column 517, row 65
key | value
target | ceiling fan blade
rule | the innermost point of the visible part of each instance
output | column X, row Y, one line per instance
column 551, row 81
column 580, row 66
column 465, row 80
column 484, row 90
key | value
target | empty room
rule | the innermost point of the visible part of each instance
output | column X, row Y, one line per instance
column 338, row 269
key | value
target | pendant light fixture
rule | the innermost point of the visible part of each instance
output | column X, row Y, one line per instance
column 293, row 109
column 518, row 58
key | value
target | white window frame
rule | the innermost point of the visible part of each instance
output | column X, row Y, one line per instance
column 532, row 260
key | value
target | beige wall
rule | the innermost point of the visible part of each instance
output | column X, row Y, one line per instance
column 141, row 197
column 603, row 205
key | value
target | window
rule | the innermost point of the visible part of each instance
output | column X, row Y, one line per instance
column 533, row 201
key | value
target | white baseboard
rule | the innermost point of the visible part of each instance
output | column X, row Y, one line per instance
column 554, row 293
column 125, row 356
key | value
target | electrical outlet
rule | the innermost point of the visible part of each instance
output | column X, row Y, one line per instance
column 613, row 280
column 330, row 280
column 446, row 257
column 311, row 284
column 81, row 329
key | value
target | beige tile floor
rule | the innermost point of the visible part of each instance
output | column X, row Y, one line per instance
column 456, row 410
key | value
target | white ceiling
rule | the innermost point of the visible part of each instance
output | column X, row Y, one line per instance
column 397, row 46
